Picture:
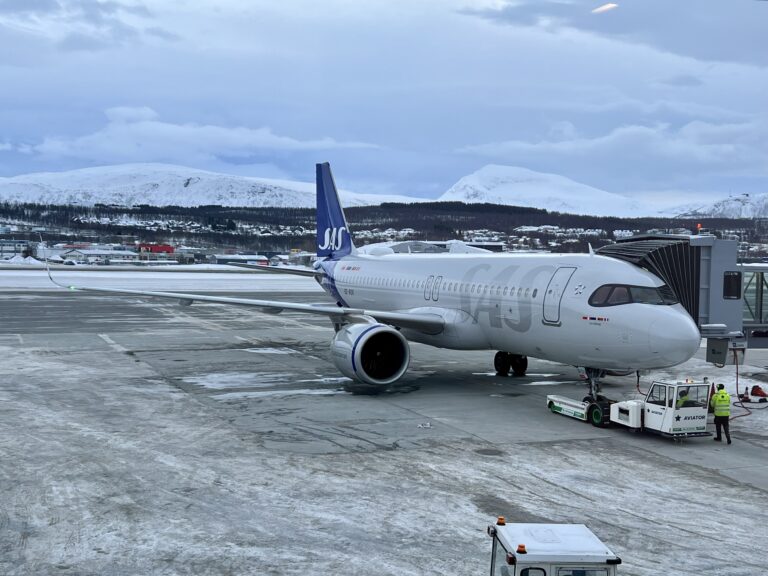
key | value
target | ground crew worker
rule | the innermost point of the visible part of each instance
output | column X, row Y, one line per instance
column 721, row 402
column 682, row 398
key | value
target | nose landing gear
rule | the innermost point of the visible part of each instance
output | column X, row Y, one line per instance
column 593, row 376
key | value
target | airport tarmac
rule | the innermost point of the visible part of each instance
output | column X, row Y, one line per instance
column 141, row 437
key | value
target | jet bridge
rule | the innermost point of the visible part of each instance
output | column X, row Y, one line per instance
column 703, row 273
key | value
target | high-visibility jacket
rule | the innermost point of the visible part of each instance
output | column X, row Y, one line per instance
column 721, row 402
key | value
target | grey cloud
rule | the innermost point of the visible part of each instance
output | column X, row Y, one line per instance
column 98, row 12
column 83, row 42
column 704, row 29
column 94, row 11
column 682, row 81
column 622, row 156
column 77, row 25
column 114, row 35
column 26, row 7
column 137, row 135
column 161, row 33
column 696, row 142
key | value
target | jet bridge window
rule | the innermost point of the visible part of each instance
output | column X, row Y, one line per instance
column 732, row 285
column 616, row 294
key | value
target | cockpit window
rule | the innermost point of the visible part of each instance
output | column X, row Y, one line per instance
column 646, row 295
column 668, row 294
column 600, row 296
column 616, row 294
column 619, row 295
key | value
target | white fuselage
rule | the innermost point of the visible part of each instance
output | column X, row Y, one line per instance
column 529, row 304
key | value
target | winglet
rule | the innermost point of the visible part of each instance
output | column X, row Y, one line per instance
column 48, row 271
column 333, row 238
column 50, row 276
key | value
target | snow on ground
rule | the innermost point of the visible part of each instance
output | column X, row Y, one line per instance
column 389, row 512
column 122, row 473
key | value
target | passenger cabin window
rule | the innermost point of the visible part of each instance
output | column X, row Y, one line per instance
column 582, row 572
column 617, row 294
column 732, row 285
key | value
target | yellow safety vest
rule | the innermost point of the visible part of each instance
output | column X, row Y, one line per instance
column 721, row 402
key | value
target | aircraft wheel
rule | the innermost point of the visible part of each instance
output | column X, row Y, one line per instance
column 519, row 364
column 502, row 363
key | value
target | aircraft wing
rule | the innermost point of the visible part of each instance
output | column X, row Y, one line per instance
column 279, row 269
column 427, row 323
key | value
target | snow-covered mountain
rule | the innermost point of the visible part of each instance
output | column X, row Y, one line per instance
column 517, row 186
column 743, row 206
column 164, row 185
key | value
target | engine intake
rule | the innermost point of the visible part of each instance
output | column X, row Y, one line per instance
column 375, row 354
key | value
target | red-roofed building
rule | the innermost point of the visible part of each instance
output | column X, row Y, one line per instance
column 155, row 248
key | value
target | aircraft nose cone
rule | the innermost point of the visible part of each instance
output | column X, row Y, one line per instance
column 674, row 339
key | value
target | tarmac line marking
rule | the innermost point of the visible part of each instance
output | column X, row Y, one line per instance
column 112, row 344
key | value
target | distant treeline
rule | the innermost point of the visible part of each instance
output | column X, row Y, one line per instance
column 430, row 220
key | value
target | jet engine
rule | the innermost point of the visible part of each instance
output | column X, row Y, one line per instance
column 375, row 354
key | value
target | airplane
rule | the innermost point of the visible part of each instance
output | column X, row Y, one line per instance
column 600, row 314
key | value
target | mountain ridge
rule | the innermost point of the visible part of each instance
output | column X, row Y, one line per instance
column 166, row 184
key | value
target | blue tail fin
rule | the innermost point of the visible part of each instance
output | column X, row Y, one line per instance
column 333, row 238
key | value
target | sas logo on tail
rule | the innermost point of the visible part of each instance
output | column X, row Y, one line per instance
column 334, row 237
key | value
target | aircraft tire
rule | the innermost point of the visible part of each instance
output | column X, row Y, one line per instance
column 519, row 364
column 502, row 363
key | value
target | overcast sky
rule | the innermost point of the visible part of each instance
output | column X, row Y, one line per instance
column 652, row 98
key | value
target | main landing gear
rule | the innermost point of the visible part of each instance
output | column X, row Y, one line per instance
column 503, row 362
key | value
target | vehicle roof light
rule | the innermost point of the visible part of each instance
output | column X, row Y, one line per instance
column 521, row 549
column 501, row 521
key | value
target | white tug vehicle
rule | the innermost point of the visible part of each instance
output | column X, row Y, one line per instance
column 548, row 550
column 672, row 409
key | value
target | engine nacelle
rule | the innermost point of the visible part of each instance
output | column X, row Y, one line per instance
column 374, row 354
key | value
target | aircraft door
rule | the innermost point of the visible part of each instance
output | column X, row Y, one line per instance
column 428, row 287
column 436, row 288
column 554, row 294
